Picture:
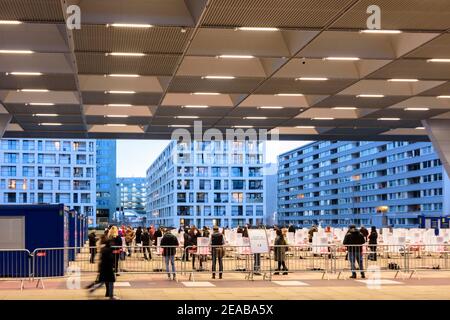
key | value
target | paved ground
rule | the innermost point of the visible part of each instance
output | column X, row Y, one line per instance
column 430, row 285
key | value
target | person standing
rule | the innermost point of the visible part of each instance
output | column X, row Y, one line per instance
column 129, row 237
column 146, row 244
column 116, row 244
column 92, row 246
column 169, row 243
column 217, row 251
column 185, row 244
column 280, row 249
column 373, row 241
column 364, row 232
column 354, row 241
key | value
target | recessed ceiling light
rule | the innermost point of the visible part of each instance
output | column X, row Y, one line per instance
column 206, row 93
column 342, row 58
column 235, row 56
column 120, row 92
column 187, row 117
column 126, row 54
column 179, row 125
column 116, row 116
column 10, row 22
column 41, row 104
column 242, row 127
column 33, row 90
column 389, row 119
column 130, row 25
column 255, row 118
column 218, row 77
column 25, row 73
column 305, row 127
column 443, row 97
column 403, row 80
column 311, row 79
column 118, row 105
column 345, row 108
column 45, row 115
column 16, row 51
column 379, row 31
column 116, row 125
column 322, row 118
column 417, row 109
column 439, row 60
column 50, row 124
column 257, row 29
column 420, row 128
column 124, row 75
column 289, row 95
column 370, row 96
column 271, row 107
column 195, row 107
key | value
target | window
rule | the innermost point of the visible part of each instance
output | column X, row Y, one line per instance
column 236, row 172
column 237, row 197
column 255, row 184
column 238, row 184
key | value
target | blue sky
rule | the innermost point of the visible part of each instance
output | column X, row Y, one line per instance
column 135, row 156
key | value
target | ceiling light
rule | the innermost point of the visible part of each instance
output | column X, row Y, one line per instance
column 403, row 80
column 305, row 127
column 443, row 97
column 33, row 90
column 45, row 115
column 322, row 118
column 50, row 124
column 195, row 107
column 271, row 107
column 389, row 119
column 126, row 54
column 218, row 77
column 25, row 73
column 41, row 104
column 439, row 60
column 124, row 75
column 116, row 125
column 235, row 56
column 417, row 109
column 187, row 117
column 10, row 22
column 17, row 51
column 311, row 79
column 345, row 108
column 118, row 105
column 370, row 96
column 179, row 125
column 342, row 58
column 289, row 95
column 206, row 93
column 255, row 118
column 116, row 116
column 420, row 128
column 378, row 31
column 242, row 127
column 257, row 29
column 120, row 92
column 129, row 25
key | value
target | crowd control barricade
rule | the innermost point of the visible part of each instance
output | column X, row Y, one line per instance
column 15, row 265
column 427, row 257
column 235, row 259
column 302, row 258
column 374, row 258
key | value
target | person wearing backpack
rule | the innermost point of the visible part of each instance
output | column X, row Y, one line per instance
column 354, row 241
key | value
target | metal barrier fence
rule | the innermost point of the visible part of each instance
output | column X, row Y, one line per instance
column 43, row 263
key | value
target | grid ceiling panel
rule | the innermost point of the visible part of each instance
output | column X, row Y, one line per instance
column 31, row 10
column 50, row 82
column 277, row 85
column 100, row 98
column 197, row 84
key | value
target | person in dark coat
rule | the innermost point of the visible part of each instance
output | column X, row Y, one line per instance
column 354, row 241
column 116, row 244
column 169, row 243
column 158, row 234
column 291, row 228
column 92, row 246
column 185, row 244
column 217, row 251
column 146, row 244
column 192, row 242
column 280, row 249
column 106, row 272
column 364, row 232
column 373, row 241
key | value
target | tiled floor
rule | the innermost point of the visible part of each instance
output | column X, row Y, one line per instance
column 233, row 286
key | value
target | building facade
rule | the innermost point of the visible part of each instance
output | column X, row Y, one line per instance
column 132, row 197
column 365, row 183
column 49, row 171
column 207, row 183
column 106, row 198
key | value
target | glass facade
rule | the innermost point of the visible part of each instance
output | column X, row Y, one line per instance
column 106, row 196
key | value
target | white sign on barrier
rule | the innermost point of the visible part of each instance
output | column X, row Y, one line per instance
column 258, row 241
column 244, row 246
column 290, row 238
column 203, row 245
